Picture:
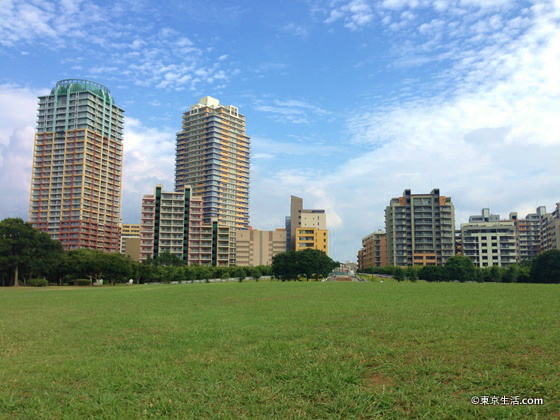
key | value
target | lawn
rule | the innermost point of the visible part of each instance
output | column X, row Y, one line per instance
column 284, row 350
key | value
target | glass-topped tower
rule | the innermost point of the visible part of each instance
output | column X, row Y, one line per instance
column 213, row 156
column 77, row 166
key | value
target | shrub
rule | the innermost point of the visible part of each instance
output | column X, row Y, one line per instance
column 37, row 282
column 398, row 274
column 82, row 282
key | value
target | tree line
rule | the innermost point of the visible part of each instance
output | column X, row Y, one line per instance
column 544, row 268
column 31, row 257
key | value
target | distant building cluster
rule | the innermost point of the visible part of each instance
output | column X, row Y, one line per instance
column 420, row 231
column 77, row 181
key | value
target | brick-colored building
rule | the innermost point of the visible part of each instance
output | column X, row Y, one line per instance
column 374, row 250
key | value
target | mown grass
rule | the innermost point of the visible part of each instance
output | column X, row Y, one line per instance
column 284, row 350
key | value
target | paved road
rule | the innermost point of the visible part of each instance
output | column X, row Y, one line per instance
column 344, row 277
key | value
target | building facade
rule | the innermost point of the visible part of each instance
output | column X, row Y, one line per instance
column 550, row 230
column 77, row 166
column 172, row 222
column 314, row 222
column 528, row 232
column 257, row 247
column 489, row 241
column 420, row 229
column 374, row 250
column 312, row 238
column 213, row 157
column 130, row 240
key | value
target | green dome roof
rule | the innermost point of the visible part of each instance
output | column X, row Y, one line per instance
column 79, row 85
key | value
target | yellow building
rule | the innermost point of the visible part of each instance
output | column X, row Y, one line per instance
column 312, row 238
column 130, row 229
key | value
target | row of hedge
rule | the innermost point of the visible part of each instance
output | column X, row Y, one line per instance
column 544, row 268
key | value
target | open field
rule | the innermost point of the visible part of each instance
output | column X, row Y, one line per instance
column 287, row 350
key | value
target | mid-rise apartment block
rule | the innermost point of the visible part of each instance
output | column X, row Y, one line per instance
column 489, row 241
column 529, row 233
column 312, row 238
column 312, row 225
column 172, row 222
column 213, row 157
column 77, row 166
column 257, row 247
column 550, row 230
column 374, row 250
column 420, row 229
column 130, row 240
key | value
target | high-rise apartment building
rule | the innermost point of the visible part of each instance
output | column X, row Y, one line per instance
column 213, row 157
column 172, row 222
column 77, row 166
column 489, row 241
column 374, row 250
column 314, row 222
column 420, row 229
column 257, row 247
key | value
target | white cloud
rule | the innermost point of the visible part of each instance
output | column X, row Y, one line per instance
column 19, row 108
column 290, row 110
column 490, row 141
column 149, row 159
column 294, row 29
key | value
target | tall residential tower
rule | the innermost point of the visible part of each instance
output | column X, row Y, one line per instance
column 77, row 166
column 213, row 156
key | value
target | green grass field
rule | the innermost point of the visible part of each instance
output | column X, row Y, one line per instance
column 284, row 350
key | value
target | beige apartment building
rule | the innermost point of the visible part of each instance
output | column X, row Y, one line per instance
column 550, row 230
column 257, row 247
column 374, row 250
column 489, row 241
column 420, row 229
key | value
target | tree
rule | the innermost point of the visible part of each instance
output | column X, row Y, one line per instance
column 546, row 267
column 309, row 262
column 24, row 248
column 412, row 273
column 284, row 266
column 47, row 256
column 167, row 258
column 432, row 273
column 86, row 263
column 460, row 268
column 398, row 274
column 116, row 267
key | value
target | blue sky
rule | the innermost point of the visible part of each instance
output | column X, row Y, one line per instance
column 348, row 102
